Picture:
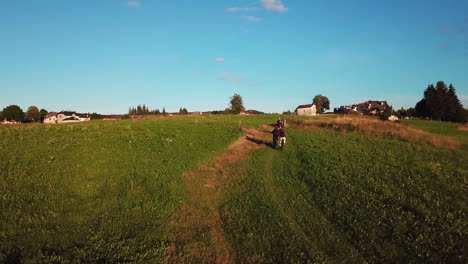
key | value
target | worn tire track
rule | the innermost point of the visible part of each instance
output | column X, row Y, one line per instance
column 198, row 229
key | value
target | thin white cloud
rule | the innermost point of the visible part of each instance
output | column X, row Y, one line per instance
column 251, row 18
column 237, row 80
column 226, row 76
column 238, row 9
column 219, row 59
column 274, row 5
column 133, row 4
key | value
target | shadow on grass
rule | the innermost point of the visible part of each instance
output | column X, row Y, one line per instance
column 260, row 142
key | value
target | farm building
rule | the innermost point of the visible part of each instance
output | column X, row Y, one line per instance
column 367, row 108
column 307, row 110
column 248, row 112
column 65, row 117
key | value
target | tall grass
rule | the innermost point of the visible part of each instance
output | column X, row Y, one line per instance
column 376, row 128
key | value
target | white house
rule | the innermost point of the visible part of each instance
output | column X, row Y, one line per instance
column 393, row 118
column 50, row 118
column 65, row 117
column 307, row 110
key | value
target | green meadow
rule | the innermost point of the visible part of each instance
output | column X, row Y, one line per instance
column 106, row 191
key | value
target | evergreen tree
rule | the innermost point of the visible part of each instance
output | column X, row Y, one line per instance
column 441, row 103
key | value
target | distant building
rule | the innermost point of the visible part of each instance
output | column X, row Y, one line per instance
column 84, row 117
column 393, row 118
column 65, row 117
column 366, row 108
column 307, row 110
column 248, row 112
column 50, row 118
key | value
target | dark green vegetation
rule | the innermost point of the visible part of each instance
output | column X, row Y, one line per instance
column 13, row 112
column 441, row 103
column 336, row 197
column 100, row 191
column 105, row 191
column 322, row 103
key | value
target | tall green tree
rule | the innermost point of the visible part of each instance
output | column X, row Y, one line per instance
column 96, row 116
column 322, row 103
column 33, row 113
column 13, row 112
column 236, row 105
column 441, row 103
column 43, row 112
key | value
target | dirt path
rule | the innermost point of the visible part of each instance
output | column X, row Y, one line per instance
column 198, row 228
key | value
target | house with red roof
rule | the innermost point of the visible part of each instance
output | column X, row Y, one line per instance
column 248, row 112
column 307, row 110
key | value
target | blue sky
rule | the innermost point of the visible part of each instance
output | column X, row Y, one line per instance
column 107, row 55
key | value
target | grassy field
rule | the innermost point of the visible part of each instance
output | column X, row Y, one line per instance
column 100, row 191
column 106, row 192
column 440, row 128
column 335, row 197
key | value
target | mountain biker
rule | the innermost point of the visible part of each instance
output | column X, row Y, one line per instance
column 282, row 137
column 280, row 123
column 275, row 133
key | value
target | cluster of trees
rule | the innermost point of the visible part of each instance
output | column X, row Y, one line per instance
column 183, row 111
column 144, row 110
column 402, row 112
column 15, row 113
column 441, row 103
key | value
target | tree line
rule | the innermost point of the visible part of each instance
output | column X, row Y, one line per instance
column 144, row 110
column 15, row 113
column 441, row 103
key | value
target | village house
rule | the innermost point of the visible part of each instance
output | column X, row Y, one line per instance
column 65, row 117
column 247, row 112
column 307, row 110
column 50, row 118
column 366, row 108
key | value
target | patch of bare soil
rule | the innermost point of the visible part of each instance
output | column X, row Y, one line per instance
column 463, row 128
column 198, row 228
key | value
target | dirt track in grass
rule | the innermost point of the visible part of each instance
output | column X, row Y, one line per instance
column 198, row 233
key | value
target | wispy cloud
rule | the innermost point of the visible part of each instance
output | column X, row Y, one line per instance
column 226, row 76
column 237, row 80
column 251, row 18
column 274, row 5
column 238, row 9
column 133, row 4
column 219, row 59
